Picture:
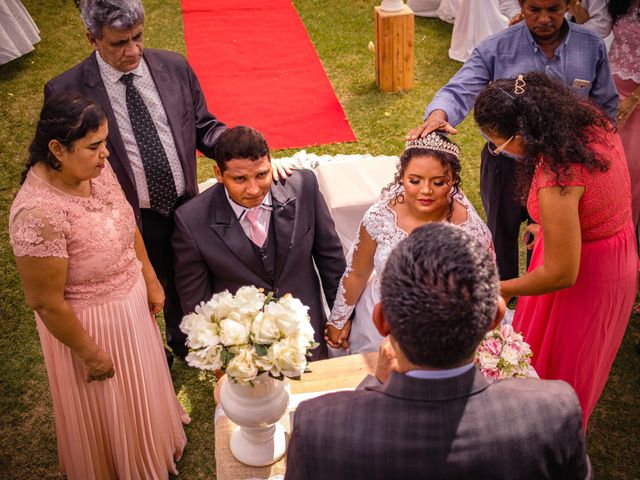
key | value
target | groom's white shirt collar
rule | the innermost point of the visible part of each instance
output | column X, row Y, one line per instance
column 240, row 211
column 439, row 374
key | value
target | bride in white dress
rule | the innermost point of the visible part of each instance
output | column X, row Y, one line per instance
column 425, row 189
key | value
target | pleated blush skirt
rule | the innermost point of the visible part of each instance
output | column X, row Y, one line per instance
column 126, row 427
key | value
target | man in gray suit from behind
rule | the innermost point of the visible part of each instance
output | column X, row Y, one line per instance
column 436, row 416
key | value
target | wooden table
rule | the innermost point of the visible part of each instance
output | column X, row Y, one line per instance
column 326, row 375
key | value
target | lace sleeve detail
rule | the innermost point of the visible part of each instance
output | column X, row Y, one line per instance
column 341, row 310
column 37, row 233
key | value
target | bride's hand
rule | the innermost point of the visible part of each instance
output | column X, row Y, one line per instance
column 338, row 338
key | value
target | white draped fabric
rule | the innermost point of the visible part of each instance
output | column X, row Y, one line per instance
column 475, row 20
column 424, row 8
column 18, row 32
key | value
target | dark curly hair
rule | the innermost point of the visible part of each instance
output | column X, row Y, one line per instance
column 552, row 122
column 240, row 142
column 65, row 117
column 447, row 160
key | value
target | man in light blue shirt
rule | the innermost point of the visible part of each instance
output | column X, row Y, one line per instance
column 543, row 42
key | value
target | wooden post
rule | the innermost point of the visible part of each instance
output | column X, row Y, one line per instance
column 394, row 49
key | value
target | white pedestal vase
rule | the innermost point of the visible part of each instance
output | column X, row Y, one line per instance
column 260, row 440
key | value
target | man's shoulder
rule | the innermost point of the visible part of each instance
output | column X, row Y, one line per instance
column 579, row 34
column 504, row 37
column 301, row 180
column 164, row 55
column 553, row 396
column 71, row 77
column 192, row 209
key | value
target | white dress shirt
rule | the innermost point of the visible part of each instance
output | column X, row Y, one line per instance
column 439, row 374
column 116, row 90
column 264, row 215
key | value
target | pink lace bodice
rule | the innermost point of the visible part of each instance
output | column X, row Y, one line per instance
column 624, row 55
column 605, row 207
column 96, row 234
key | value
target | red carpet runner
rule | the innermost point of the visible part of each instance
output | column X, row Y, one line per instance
column 258, row 67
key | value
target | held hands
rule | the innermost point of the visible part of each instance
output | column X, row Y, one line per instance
column 338, row 338
column 155, row 297
column 436, row 121
column 100, row 366
column 387, row 361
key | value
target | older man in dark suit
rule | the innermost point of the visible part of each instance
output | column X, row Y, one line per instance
column 436, row 416
column 246, row 230
column 157, row 118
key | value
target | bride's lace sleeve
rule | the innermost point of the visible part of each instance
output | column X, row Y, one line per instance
column 359, row 268
column 36, row 232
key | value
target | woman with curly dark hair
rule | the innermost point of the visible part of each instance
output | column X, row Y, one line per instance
column 425, row 189
column 576, row 299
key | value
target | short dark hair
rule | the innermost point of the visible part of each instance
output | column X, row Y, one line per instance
column 66, row 117
column 240, row 142
column 439, row 294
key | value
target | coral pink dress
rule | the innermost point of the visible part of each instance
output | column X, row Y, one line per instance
column 575, row 332
column 129, row 426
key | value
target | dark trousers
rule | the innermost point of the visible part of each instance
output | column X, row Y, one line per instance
column 504, row 214
column 156, row 233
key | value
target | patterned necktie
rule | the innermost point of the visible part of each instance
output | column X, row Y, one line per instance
column 257, row 230
column 160, row 182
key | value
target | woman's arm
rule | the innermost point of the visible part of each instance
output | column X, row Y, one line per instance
column 43, row 281
column 351, row 287
column 562, row 244
column 155, row 292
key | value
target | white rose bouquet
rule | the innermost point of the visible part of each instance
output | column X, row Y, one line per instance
column 249, row 333
column 504, row 354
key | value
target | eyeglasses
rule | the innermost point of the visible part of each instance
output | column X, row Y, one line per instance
column 493, row 150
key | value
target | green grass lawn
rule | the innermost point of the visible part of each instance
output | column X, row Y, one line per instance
column 340, row 31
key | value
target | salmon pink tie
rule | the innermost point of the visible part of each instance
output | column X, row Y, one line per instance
column 257, row 230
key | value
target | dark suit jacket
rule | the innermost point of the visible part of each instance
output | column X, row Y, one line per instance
column 213, row 253
column 191, row 123
column 465, row 427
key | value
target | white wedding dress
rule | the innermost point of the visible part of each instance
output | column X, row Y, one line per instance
column 380, row 222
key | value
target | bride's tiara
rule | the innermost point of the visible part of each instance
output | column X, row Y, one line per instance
column 434, row 141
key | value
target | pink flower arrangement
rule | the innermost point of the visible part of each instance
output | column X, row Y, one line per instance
column 504, row 354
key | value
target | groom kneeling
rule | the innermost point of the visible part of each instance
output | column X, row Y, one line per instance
column 436, row 416
column 247, row 230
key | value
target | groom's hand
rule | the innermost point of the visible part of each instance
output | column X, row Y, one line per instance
column 387, row 361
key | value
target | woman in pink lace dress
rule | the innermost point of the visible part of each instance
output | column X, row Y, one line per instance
column 86, row 274
column 624, row 58
column 576, row 298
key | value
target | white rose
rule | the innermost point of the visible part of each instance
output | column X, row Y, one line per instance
column 233, row 332
column 221, row 304
column 288, row 357
column 249, row 299
column 510, row 355
column 242, row 367
column 264, row 330
column 288, row 314
column 200, row 331
column 206, row 359
column 487, row 360
column 266, row 363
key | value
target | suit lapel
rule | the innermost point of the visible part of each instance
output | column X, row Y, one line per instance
column 167, row 92
column 284, row 216
column 224, row 223
column 94, row 89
